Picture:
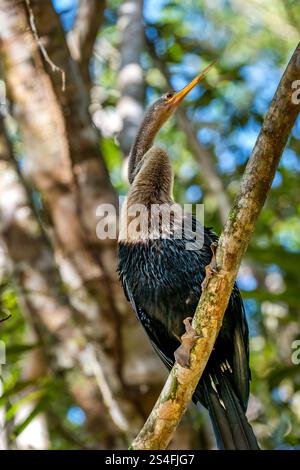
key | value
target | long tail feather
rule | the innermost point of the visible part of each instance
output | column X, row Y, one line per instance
column 232, row 429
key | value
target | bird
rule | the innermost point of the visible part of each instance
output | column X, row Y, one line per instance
column 163, row 280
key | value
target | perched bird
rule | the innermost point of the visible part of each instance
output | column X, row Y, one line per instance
column 163, row 280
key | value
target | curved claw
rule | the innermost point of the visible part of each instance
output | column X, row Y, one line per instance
column 188, row 339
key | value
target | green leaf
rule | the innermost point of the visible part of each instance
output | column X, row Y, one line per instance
column 33, row 396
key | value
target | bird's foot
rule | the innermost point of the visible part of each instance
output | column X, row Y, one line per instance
column 188, row 339
column 212, row 267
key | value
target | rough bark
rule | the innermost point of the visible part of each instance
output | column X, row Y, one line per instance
column 233, row 243
column 130, row 106
column 87, row 164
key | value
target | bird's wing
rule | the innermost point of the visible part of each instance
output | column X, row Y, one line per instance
column 163, row 343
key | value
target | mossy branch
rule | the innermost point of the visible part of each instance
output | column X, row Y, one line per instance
column 178, row 390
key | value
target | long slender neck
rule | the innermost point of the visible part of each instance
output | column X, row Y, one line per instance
column 151, row 186
column 143, row 142
column 149, row 169
column 154, row 180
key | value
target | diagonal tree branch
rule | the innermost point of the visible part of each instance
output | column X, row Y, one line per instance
column 181, row 383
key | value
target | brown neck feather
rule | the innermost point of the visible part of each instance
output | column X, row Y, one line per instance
column 151, row 185
column 154, row 180
column 149, row 169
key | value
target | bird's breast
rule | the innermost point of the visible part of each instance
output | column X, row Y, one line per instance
column 163, row 278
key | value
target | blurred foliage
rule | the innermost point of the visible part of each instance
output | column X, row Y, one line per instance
column 253, row 41
column 44, row 393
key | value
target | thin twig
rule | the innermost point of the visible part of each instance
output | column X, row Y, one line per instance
column 5, row 318
column 54, row 67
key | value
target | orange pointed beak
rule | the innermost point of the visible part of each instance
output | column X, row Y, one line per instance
column 180, row 95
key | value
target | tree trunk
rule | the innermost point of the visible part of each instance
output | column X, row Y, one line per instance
column 64, row 163
column 45, row 303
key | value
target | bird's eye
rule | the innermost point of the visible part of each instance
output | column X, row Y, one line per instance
column 169, row 95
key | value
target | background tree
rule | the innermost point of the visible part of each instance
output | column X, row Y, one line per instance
column 72, row 340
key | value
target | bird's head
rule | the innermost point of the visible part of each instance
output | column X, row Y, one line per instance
column 154, row 119
column 165, row 106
